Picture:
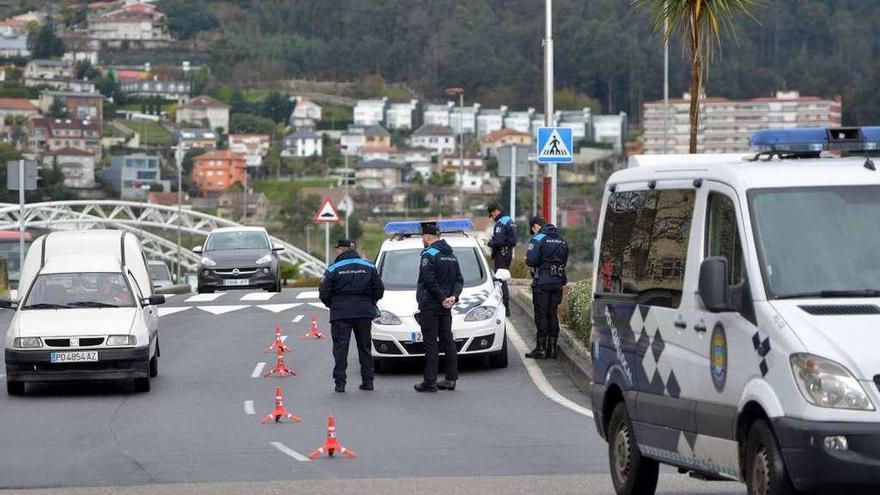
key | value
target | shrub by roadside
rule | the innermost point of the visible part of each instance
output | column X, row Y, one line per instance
column 576, row 310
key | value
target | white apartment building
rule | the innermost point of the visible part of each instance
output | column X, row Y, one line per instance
column 402, row 116
column 438, row 115
column 490, row 120
column 370, row 112
column 464, row 120
column 519, row 121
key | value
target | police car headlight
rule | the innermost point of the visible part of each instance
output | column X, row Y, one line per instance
column 27, row 343
column 387, row 318
column 825, row 383
column 265, row 259
column 208, row 261
column 480, row 313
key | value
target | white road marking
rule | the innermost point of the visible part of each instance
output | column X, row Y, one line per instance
column 312, row 294
column 277, row 308
column 258, row 296
column 298, row 318
column 258, row 370
column 249, row 407
column 169, row 296
column 538, row 376
column 290, row 452
column 318, row 305
column 219, row 310
column 283, row 338
column 205, row 297
column 171, row 310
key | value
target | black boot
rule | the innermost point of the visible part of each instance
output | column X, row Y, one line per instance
column 540, row 350
column 551, row 348
column 446, row 385
column 429, row 387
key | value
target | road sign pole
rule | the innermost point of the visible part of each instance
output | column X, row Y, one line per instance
column 513, row 183
column 327, row 243
column 21, row 214
column 548, row 102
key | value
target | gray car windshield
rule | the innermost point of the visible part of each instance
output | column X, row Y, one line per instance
column 818, row 241
column 79, row 290
column 400, row 269
column 227, row 241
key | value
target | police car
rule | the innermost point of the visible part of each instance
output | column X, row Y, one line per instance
column 737, row 315
column 478, row 320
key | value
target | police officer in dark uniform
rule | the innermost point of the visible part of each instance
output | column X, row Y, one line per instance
column 350, row 288
column 502, row 243
column 547, row 257
column 440, row 284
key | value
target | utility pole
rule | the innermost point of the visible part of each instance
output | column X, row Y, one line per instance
column 665, row 87
column 21, row 216
column 349, row 204
column 548, row 102
column 178, row 156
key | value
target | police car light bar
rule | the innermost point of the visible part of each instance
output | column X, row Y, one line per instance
column 413, row 227
column 813, row 140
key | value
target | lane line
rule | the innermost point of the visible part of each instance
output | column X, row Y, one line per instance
column 205, row 297
column 538, row 376
column 289, row 452
column 249, row 407
column 298, row 318
column 219, row 310
column 258, row 370
column 258, row 296
column 311, row 294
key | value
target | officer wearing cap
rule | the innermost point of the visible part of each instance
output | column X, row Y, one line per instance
column 502, row 243
column 440, row 283
column 350, row 288
column 547, row 257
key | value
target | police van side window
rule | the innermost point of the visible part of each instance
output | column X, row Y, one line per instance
column 722, row 235
column 645, row 244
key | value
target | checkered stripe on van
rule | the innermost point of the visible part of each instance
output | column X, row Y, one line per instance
column 762, row 348
column 651, row 345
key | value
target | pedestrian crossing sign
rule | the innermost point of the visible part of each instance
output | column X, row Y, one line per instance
column 555, row 145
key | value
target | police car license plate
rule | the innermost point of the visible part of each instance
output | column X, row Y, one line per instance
column 73, row 357
column 235, row 281
column 416, row 336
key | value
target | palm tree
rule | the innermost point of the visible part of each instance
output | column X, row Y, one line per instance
column 700, row 23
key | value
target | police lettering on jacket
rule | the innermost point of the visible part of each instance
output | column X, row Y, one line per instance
column 548, row 256
column 503, row 237
column 439, row 277
column 351, row 287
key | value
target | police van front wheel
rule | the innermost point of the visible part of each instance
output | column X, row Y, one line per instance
column 631, row 473
column 765, row 469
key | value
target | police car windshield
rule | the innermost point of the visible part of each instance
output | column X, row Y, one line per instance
column 79, row 290
column 400, row 269
column 818, row 241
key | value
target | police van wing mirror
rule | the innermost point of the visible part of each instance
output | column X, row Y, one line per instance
column 714, row 290
column 502, row 275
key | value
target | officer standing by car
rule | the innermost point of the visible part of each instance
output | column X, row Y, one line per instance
column 502, row 243
column 350, row 288
column 439, row 285
column 547, row 257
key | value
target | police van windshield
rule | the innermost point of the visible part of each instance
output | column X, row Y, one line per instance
column 79, row 290
column 400, row 269
column 818, row 241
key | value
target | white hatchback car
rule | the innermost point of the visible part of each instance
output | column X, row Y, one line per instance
column 478, row 320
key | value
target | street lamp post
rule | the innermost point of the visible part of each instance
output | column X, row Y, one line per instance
column 460, row 93
column 665, row 87
column 548, row 101
column 178, row 155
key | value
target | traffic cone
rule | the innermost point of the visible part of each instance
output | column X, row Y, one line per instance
column 278, row 344
column 280, row 368
column 332, row 445
column 313, row 332
column 280, row 411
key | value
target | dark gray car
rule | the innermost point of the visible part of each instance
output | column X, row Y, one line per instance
column 239, row 258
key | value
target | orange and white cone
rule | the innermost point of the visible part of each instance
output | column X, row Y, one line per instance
column 278, row 344
column 280, row 411
column 332, row 445
column 280, row 368
column 313, row 332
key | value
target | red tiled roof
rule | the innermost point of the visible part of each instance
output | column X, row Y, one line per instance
column 379, row 149
column 71, row 152
column 16, row 104
column 220, row 155
column 502, row 133
column 165, row 198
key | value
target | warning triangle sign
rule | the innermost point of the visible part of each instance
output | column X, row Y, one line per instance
column 327, row 213
column 554, row 147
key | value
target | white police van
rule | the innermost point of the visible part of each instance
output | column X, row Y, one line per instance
column 478, row 320
column 736, row 324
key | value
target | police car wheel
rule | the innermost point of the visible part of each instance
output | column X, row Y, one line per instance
column 631, row 473
column 765, row 469
column 15, row 388
column 141, row 385
column 154, row 366
column 499, row 359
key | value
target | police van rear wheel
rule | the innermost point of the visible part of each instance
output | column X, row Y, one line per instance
column 765, row 469
column 631, row 473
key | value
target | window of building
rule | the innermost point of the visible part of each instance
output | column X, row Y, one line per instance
column 722, row 236
column 645, row 244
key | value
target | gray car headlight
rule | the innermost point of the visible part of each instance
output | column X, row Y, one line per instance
column 265, row 259
column 825, row 383
column 121, row 340
column 208, row 261
column 480, row 313
column 27, row 343
column 387, row 318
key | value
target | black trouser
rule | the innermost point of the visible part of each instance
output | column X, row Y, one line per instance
column 341, row 331
column 438, row 325
column 502, row 260
column 546, row 302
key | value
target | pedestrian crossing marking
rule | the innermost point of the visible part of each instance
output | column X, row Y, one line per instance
column 555, row 145
column 258, row 296
column 171, row 310
column 298, row 318
column 308, row 295
column 277, row 308
column 219, row 310
column 204, row 297
column 318, row 305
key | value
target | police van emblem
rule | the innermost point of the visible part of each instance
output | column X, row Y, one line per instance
column 718, row 357
column 424, row 261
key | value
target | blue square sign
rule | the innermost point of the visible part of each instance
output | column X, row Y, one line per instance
column 555, row 145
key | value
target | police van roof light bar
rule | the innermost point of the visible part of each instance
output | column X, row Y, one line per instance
column 413, row 227
column 809, row 142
